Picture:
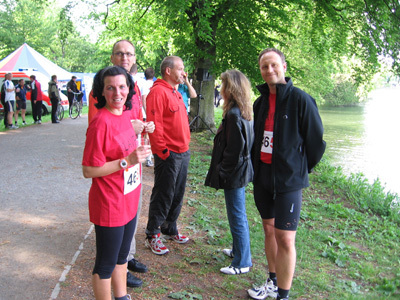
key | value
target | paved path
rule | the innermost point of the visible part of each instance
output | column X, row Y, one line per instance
column 43, row 200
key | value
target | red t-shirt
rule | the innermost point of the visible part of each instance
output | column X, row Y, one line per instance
column 113, row 199
column 267, row 145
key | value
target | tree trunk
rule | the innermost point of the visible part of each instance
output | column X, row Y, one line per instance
column 202, row 107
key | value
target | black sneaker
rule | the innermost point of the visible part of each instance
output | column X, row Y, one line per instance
column 132, row 281
column 135, row 266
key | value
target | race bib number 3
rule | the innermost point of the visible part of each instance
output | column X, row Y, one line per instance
column 131, row 178
column 267, row 142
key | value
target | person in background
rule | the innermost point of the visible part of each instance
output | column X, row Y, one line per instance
column 10, row 101
column 3, row 102
column 288, row 144
column 36, row 100
column 111, row 158
column 231, row 168
column 123, row 55
column 71, row 89
column 187, row 91
column 217, row 96
column 148, row 75
column 139, row 81
column 54, row 95
column 147, row 84
column 170, row 146
column 20, row 93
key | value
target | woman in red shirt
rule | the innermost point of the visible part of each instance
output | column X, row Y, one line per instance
column 112, row 159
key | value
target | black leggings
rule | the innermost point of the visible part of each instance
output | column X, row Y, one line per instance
column 112, row 247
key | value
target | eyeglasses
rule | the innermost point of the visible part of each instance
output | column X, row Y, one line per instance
column 122, row 54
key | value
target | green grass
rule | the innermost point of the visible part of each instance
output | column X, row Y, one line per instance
column 347, row 242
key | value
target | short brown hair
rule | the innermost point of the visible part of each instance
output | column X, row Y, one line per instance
column 168, row 62
column 280, row 53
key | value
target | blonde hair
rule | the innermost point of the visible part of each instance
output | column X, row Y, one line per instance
column 236, row 90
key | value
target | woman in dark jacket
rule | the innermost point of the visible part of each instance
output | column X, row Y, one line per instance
column 231, row 167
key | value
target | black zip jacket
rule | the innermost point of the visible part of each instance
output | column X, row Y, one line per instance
column 231, row 165
column 298, row 145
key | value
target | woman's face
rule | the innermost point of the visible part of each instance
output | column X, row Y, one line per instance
column 115, row 91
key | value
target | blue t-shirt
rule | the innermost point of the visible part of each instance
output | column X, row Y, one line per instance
column 22, row 92
column 184, row 91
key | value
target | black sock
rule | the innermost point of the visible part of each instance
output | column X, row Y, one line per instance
column 272, row 276
column 121, row 298
column 282, row 294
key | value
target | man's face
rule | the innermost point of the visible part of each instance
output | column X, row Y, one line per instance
column 123, row 55
column 177, row 73
column 272, row 68
column 8, row 76
column 21, row 82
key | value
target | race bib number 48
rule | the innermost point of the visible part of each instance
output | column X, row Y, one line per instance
column 267, row 142
column 131, row 178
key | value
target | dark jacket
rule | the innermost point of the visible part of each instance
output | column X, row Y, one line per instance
column 36, row 93
column 72, row 85
column 231, row 162
column 53, row 91
column 298, row 145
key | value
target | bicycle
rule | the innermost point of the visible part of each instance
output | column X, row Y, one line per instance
column 76, row 107
column 60, row 111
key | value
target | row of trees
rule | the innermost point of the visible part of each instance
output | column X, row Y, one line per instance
column 329, row 44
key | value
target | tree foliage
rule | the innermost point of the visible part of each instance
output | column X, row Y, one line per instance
column 316, row 37
column 50, row 31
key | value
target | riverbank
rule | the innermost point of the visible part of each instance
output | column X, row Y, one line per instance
column 345, row 249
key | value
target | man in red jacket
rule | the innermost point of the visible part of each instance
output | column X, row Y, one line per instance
column 170, row 146
column 36, row 100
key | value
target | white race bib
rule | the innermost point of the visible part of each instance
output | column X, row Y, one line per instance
column 131, row 178
column 267, row 142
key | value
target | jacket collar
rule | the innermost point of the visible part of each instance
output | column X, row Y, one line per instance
column 264, row 88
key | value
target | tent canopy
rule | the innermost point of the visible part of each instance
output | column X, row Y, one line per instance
column 25, row 58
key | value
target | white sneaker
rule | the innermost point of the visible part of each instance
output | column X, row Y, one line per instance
column 156, row 245
column 228, row 252
column 179, row 238
column 234, row 271
column 269, row 289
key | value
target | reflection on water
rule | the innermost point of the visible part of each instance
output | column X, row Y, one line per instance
column 365, row 138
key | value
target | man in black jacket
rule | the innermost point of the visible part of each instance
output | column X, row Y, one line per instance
column 288, row 144
column 71, row 89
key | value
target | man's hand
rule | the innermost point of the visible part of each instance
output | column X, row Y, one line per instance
column 138, row 126
column 149, row 127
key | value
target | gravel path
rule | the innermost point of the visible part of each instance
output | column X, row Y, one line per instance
column 43, row 198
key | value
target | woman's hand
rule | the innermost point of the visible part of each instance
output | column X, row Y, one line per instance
column 149, row 127
column 139, row 155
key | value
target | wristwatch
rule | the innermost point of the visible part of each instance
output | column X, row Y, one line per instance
column 123, row 163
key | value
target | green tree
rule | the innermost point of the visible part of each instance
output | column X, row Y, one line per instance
column 220, row 34
column 25, row 21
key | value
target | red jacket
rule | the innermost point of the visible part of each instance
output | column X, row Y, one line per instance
column 165, row 107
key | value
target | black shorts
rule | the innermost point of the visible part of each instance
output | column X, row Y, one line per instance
column 283, row 207
column 112, row 247
column 10, row 105
column 21, row 104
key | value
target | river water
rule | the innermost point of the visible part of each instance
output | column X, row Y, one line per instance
column 365, row 139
